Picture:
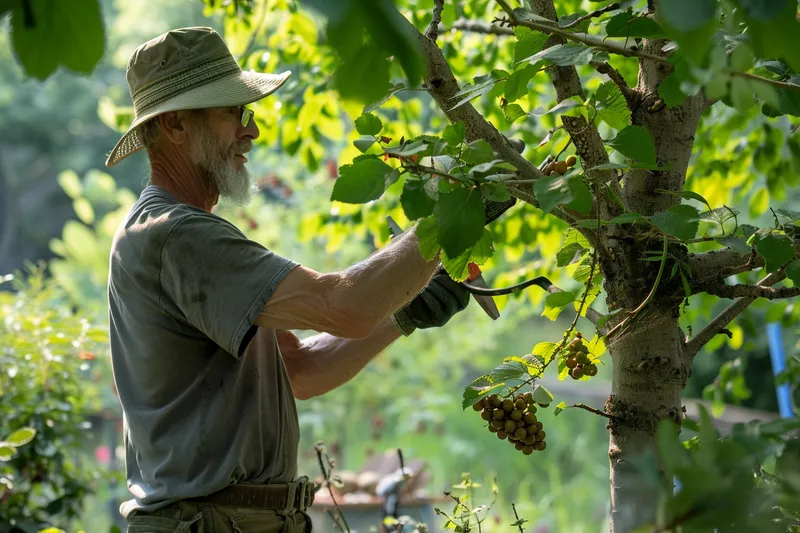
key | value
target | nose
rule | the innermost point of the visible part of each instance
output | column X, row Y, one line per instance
column 251, row 131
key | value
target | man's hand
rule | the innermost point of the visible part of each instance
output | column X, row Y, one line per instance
column 441, row 299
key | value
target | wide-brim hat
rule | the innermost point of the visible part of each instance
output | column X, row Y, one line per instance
column 187, row 68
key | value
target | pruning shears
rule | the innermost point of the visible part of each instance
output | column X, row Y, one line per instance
column 487, row 303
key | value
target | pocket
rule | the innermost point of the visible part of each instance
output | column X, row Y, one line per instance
column 257, row 523
column 162, row 524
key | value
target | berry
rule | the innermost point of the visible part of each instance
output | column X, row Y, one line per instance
column 515, row 415
column 502, row 434
column 486, row 415
column 520, row 433
column 498, row 414
column 508, row 405
column 590, row 369
column 520, row 404
column 532, row 430
column 532, row 408
column 571, row 160
column 540, row 445
column 496, row 400
column 492, row 428
column 510, row 426
column 575, row 343
column 527, row 450
column 528, row 396
column 520, row 424
column 582, row 358
column 576, row 373
column 571, row 362
column 529, row 418
column 497, row 424
column 548, row 168
column 561, row 167
column 529, row 440
column 539, row 426
column 478, row 406
column 541, row 435
column 519, row 445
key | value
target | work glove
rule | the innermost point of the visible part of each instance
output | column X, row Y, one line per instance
column 441, row 299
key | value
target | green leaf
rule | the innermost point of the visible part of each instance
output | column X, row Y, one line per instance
column 479, row 253
column 560, row 407
column 368, row 124
column 557, row 190
column 793, row 272
column 64, row 33
column 567, row 253
column 772, row 28
column 474, row 91
column 626, row 218
column 669, row 90
column 611, row 106
column 479, row 388
column 542, row 396
column 427, row 234
column 581, row 27
column 21, row 436
column 460, row 217
column 363, row 181
column 83, row 208
column 364, row 143
column 508, row 371
column 70, row 183
column 394, row 89
column 513, row 111
column 478, row 152
column 415, row 200
column 626, row 25
column 582, row 196
column 603, row 320
column 787, row 103
column 680, row 221
column 564, row 55
column 691, row 24
column 634, row 142
column 735, row 243
column 670, row 449
column 517, row 82
column 454, row 134
column 689, row 195
column 528, row 43
column 610, row 166
column 495, row 192
column 776, row 248
column 555, row 303
column 759, row 202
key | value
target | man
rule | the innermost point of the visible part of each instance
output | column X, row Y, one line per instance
column 204, row 363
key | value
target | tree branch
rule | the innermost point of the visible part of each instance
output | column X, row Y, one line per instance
column 593, row 14
column 604, row 68
column 477, row 26
column 622, row 50
column 719, row 322
column 719, row 264
column 723, row 290
column 432, row 32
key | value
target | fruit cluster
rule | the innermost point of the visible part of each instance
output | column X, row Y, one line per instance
column 578, row 360
column 558, row 168
column 514, row 418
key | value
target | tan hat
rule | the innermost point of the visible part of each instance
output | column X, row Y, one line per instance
column 186, row 68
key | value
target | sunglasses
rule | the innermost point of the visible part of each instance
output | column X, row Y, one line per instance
column 246, row 115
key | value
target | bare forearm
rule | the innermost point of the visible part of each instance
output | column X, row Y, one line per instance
column 388, row 279
column 325, row 362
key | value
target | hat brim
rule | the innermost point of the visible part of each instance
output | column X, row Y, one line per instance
column 240, row 88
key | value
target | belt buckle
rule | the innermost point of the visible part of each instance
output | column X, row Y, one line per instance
column 302, row 489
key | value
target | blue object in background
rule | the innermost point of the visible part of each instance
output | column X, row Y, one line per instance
column 779, row 365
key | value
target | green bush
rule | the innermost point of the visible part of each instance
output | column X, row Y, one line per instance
column 47, row 354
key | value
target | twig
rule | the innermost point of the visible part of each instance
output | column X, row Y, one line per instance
column 615, row 48
column 326, row 474
column 477, row 26
column 432, row 32
column 636, row 311
column 723, row 290
column 598, row 412
column 719, row 322
column 519, row 523
column 595, row 13
column 616, row 77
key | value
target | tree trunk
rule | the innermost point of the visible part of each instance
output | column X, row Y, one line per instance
column 649, row 373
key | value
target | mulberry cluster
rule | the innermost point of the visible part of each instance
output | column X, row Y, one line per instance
column 514, row 419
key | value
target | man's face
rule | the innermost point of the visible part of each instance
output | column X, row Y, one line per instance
column 216, row 146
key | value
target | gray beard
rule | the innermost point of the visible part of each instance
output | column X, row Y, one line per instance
column 207, row 152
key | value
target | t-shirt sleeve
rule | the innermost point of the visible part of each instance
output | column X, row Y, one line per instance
column 218, row 279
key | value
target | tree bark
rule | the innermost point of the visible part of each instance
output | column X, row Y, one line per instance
column 649, row 373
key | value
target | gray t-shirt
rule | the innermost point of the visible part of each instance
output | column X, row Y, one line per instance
column 206, row 398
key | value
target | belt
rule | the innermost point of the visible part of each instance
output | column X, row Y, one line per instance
column 284, row 497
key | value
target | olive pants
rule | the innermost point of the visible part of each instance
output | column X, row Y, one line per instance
column 185, row 517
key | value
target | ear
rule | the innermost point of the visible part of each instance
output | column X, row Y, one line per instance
column 173, row 125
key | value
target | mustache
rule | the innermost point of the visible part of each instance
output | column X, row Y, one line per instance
column 242, row 147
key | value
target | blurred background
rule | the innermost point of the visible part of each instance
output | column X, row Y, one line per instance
column 59, row 208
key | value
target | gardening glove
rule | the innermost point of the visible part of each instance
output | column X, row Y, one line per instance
column 441, row 299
